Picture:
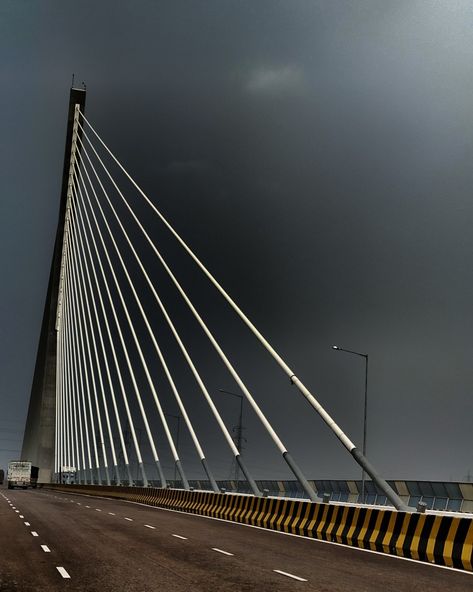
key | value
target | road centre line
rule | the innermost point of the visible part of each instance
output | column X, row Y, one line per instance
column 148, row 526
column 63, row 572
column 178, row 536
column 34, row 533
column 46, row 549
column 284, row 573
column 221, row 551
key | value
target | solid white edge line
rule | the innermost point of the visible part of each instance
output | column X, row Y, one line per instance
column 284, row 573
column 46, row 549
column 63, row 572
column 222, row 551
column 178, row 536
column 148, row 526
column 299, row 536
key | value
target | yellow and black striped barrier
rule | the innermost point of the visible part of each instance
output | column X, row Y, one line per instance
column 444, row 540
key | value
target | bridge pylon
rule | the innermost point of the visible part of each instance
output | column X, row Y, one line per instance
column 39, row 438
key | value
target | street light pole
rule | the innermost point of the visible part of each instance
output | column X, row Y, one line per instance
column 239, row 433
column 365, row 410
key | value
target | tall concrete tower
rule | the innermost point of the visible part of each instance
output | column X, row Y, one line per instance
column 39, row 438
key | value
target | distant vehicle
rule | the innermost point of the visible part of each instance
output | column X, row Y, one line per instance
column 21, row 473
column 2, row 476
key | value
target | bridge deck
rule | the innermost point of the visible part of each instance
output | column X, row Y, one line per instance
column 130, row 547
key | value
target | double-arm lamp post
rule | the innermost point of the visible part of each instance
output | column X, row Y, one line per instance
column 349, row 351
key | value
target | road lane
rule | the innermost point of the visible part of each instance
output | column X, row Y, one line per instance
column 116, row 549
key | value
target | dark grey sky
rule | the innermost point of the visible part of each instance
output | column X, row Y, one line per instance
column 317, row 156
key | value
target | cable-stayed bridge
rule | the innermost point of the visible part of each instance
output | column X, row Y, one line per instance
column 96, row 330
column 101, row 365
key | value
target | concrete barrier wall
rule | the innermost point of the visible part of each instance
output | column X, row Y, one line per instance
column 443, row 540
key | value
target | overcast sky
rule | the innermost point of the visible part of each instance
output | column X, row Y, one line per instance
column 317, row 156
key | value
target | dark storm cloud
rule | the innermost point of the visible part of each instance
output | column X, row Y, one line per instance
column 317, row 156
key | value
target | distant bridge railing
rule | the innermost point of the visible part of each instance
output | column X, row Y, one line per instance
column 437, row 495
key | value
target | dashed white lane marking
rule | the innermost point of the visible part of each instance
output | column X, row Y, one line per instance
column 46, row 549
column 63, row 572
column 112, row 514
column 148, row 526
column 34, row 533
column 129, row 519
column 178, row 536
column 87, row 506
column 284, row 573
column 17, row 511
column 21, row 516
column 78, row 503
column 221, row 551
column 13, row 507
column 98, row 510
column 27, row 524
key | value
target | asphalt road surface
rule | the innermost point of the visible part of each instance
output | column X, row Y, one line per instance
column 53, row 541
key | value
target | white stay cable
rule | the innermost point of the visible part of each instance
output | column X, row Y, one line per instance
column 84, row 297
column 83, row 257
column 82, row 322
column 69, row 369
column 122, row 341
column 67, row 445
column 72, row 394
column 59, row 390
column 133, row 332
column 85, row 367
column 78, row 370
column 75, row 386
column 84, row 244
column 187, row 357
column 150, row 330
column 73, row 373
column 210, row 336
column 325, row 416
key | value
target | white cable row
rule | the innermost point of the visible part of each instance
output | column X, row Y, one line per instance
column 309, row 490
column 145, row 318
column 82, row 209
column 87, row 260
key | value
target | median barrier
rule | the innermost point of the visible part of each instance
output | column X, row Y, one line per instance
column 443, row 540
